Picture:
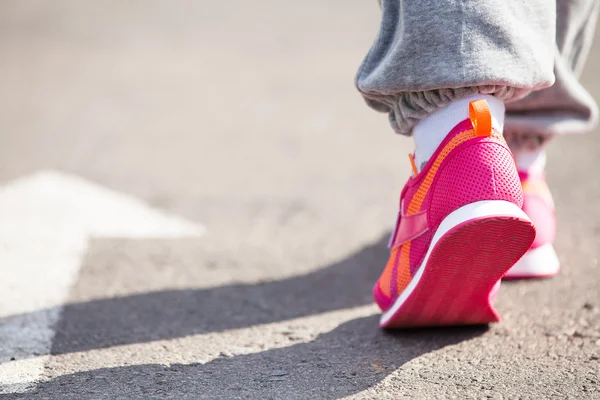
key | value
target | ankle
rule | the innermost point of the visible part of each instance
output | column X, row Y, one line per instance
column 529, row 151
column 431, row 131
column 531, row 161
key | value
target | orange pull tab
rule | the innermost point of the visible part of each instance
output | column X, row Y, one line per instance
column 481, row 117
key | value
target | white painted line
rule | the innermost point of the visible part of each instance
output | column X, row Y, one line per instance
column 46, row 221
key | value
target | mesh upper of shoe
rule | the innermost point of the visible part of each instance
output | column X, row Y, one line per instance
column 480, row 170
column 539, row 207
column 465, row 169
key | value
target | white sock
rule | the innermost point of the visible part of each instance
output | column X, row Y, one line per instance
column 431, row 131
column 531, row 160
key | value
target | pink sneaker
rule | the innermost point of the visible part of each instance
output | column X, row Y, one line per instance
column 541, row 260
column 459, row 229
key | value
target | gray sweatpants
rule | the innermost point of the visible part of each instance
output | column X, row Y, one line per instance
column 528, row 53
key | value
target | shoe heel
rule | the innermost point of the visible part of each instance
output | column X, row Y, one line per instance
column 472, row 249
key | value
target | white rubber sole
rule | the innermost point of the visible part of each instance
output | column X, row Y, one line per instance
column 537, row 263
column 473, row 211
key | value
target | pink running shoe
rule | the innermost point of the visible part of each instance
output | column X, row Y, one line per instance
column 459, row 229
column 541, row 260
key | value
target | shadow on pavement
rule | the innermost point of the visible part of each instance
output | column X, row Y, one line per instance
column 177, row 313
column 347, row 360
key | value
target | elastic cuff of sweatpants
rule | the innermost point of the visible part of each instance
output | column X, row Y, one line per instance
column 551, row 125
column 405, row 109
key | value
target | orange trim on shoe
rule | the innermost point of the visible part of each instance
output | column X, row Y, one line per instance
column 403, row 277
column 412, row 164
column 419, row 197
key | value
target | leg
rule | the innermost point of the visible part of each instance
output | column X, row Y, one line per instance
column 442, row 70
column 566, row 107
column 431, row 52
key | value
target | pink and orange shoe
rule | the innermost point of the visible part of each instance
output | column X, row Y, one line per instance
column 541, row 260
column 459, row 229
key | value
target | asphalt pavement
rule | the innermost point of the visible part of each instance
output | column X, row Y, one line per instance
column 195, row 203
